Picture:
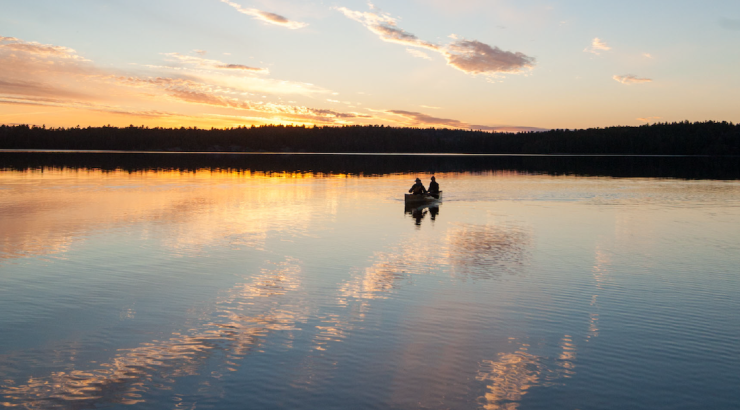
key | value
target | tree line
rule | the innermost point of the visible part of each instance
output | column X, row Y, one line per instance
column 678, row 138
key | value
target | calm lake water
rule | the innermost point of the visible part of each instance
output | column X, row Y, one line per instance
column 278, row 282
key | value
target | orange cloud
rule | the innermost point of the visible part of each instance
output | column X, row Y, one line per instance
column 196, row 90
column 46, row 75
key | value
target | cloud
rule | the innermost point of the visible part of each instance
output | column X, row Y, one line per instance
column 27, row 79
column 194, row 92
column 66, row 103
column 474, row 57
column 649, row 119
column 200, row 52
column 44, row 50
column 597, row 46
column 212, row 64
column 267, row 17
column 36, row 88
column 730, row 24
column 385, row 27
column 647, row 55
column 417, row 119
column 507, row 128
column 631, row 79
column 418, row 53
column 469, row 56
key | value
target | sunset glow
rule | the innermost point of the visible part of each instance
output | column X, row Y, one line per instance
column 500, row 65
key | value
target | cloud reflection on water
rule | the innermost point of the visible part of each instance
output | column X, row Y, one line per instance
column 468, row 251
column 511, row 377
column 245, row 316
column 273, row 301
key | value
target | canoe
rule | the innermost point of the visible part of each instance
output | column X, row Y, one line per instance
column 422, row 198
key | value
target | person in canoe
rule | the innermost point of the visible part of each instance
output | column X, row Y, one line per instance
column 418, row 188
column 433, row 187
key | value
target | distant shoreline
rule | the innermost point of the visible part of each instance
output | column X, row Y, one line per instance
column 397, row 154
column 675, row 139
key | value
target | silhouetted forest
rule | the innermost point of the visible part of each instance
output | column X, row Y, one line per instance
column 683, row 138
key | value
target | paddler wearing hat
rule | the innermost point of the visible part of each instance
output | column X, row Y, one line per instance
column 418, row 188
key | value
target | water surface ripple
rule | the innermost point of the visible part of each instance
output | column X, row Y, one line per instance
column 254, row 288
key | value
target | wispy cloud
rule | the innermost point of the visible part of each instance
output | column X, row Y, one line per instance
column 597, row 46
column 420, row 119
column 266, row 16
column 212, row 64
column 417, row 119
column 32, row 47
column 469, row 56
column 385, row 27
column 647, row 55
column 631, row 79
column 27, row 79
column 35, row 88
column 71, row 104
column 649, row 119
column 195, row 92
column 418, row 53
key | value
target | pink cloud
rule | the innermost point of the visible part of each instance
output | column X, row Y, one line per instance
column 469, row 56
column 474, row 57
column 418, row 119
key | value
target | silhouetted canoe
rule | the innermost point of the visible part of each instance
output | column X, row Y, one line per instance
column 422, row 198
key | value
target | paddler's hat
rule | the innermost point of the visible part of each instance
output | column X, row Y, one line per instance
column 432, row 177
column 418, row 180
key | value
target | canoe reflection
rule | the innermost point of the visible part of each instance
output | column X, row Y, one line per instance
column 419, row 211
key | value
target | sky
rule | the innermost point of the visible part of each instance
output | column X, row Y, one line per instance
column 495, row 65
